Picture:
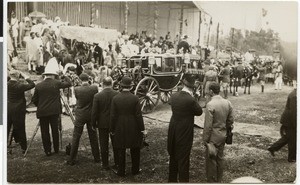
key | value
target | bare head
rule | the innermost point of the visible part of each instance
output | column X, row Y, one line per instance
column 107, row 82
column 14, row 75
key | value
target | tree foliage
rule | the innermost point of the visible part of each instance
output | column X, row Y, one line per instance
column 264, row 42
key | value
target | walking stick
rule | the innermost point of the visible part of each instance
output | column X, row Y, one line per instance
column 34, row 133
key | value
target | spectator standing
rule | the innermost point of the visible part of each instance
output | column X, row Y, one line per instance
column 225, row 74
column 218, row 120
column 98, row 55
column 289, row 125
column 278, row 76
column 101, row 119
column 16, row 106
column 183, row 45
column 84, row 101
column 32, row 53
column 14, row 23
column 47, row 99
column 262, row 74
column 181, row 131
column 127, row 126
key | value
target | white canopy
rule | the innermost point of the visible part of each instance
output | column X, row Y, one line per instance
column 88, row 34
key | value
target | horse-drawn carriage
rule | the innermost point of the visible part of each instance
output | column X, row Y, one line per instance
column 156, row 76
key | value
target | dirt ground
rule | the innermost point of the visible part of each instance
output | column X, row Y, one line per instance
column 256, row 127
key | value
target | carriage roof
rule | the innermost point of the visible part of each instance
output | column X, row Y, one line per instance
column 88, row 34
column 166, row 55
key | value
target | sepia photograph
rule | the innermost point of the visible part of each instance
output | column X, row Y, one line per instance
column 151, row 91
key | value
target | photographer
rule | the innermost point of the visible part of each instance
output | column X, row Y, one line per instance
column 16, row 105
column 47, row 99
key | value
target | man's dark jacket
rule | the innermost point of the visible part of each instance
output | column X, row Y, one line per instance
column 84, row 95
column 47, row 96
column 101, row 108
column 181, row 128
column 289, row 116
column 16, row 102
column 126, row 121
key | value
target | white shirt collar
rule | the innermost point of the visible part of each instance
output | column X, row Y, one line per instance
column 185, row 89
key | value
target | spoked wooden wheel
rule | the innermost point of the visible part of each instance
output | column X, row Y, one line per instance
column 149, row 94
column 165, row 96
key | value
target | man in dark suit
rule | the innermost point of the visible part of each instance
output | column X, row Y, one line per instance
column 16, row 106
column 127, row 126
column 289, row 124
column 181, row 130
column 98, row 54
column 47, row 99
column 101, row 119
column 84, row 95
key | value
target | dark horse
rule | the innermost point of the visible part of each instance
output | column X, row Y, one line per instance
column 236, row 75
column 249, row 73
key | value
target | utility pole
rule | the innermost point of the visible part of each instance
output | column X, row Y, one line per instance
column 181, row 20
column 199, row 32
column 208, row 32
column 217, row 42
column 137, row 17
column 232, row 38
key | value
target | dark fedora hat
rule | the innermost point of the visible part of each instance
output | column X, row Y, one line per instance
column 126, row 82
column 189, row 81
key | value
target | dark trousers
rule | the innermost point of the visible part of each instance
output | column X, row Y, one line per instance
column 292, row 143
column 214, row 165
column 135, row 159
column 279, row 143
column 78, row 129
column 18, row 132
column 290, row 139
column 179, row 168
column 53, row 122
column 104, row 141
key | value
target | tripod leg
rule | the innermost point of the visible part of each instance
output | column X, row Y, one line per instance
column 60, row 131
column 34, row 133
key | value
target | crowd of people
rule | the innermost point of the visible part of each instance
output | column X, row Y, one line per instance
column 117, row 115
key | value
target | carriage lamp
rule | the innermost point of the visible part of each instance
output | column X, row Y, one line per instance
column 151, row 60
column 119, row 61
column 186, row 58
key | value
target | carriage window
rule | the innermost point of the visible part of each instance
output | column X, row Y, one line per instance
column 157, row 65
column 167, row 65
column 134, row 62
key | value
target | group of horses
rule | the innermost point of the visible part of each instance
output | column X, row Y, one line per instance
column 242, row 77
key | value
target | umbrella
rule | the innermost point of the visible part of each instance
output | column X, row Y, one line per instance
column 36, row 14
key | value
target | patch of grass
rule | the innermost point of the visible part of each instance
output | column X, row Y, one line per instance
column 245, row 157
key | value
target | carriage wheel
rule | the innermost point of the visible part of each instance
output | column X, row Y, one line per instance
column 149, row 94
column 165, row 96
